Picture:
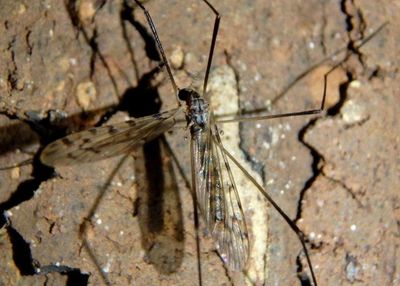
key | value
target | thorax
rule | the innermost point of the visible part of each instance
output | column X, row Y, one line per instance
column 197, row 112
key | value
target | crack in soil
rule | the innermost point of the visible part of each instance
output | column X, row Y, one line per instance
column 48, row 132
column 318, row 162
column 40, row 173
column 344, row 186
column 21, row 249
column 28, row 266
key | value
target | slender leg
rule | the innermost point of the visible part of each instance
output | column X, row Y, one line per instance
column 195, row 210
column 212, row 47
column 216, row 139
column 293, row 226
column 84, row 227
column 160, row 47
column 241, row 118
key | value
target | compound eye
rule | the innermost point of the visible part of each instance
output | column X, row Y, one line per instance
column 183, row 94
column 186, row 93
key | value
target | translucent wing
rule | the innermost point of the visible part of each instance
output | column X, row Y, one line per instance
column 229, row 230
column 218, row 200
column 107, row 141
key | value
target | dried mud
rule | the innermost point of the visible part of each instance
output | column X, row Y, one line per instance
column 68, row 65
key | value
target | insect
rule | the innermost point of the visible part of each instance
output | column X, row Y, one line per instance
column 215, row 190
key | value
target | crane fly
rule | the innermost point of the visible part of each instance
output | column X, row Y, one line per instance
column 214, row 187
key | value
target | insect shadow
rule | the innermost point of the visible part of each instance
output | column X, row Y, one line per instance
column 235, row 225
column 151, row 198
column 157, row 205
column 215, row 191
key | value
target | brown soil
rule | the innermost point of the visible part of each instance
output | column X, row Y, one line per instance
column 68, row 65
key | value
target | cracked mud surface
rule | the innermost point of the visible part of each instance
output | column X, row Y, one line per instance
column 66, row 66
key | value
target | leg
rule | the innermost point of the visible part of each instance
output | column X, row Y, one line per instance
column 159, row 45
column 241, row 118
column 84, row 227
column 212, row 47
column 302, row 238
column 195, row 210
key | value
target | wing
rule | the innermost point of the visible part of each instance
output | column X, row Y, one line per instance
column 229, row 226
column 107, row 141
column 218, row 199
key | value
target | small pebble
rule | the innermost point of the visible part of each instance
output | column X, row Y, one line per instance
column 177, row 57
column 85, row 94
